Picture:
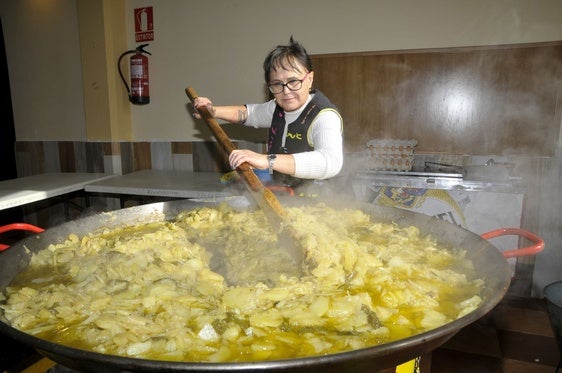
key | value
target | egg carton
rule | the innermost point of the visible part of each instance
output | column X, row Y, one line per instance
column 391, row 154
column 392, row 147
column 391, row 163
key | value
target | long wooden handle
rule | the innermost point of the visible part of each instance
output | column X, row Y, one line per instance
column 265, row 198
column 218, row 132
column 245, row 170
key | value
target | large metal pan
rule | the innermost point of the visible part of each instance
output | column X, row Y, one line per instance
column 489, row 262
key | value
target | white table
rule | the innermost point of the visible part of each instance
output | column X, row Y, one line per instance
column 29, row 189
column 177, row 184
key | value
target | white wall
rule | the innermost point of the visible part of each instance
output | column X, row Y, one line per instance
column 43, row 54
column 218, row 46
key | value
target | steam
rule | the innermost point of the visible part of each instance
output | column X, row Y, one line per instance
column 500, row 98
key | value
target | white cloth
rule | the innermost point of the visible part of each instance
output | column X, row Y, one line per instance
column 325, row 135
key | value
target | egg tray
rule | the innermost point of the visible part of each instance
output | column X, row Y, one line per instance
column 391, row 154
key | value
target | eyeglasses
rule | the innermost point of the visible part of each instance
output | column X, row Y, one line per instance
column 293, row 85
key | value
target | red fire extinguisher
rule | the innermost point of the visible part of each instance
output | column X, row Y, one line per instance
column 139, row 92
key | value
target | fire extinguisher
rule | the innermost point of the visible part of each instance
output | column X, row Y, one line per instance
column 139, row 92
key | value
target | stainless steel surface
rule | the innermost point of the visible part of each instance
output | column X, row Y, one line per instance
column 410, row 179
column 488, row 261
column 432, row 180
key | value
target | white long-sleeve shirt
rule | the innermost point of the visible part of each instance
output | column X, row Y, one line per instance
column 325, row 135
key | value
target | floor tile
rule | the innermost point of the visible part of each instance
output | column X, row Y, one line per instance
column 476, row 339
column 529, row 348
column 447, row 361
column 516, row 366
column 515, row 337
column 523, row 320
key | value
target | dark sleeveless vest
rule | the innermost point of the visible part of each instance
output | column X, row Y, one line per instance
column 296, row 140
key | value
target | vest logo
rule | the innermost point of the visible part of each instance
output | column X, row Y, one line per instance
column 293, row 136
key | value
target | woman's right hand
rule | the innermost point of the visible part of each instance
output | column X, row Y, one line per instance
column 202, row 102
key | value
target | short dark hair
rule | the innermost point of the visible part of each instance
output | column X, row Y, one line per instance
column 285, row 57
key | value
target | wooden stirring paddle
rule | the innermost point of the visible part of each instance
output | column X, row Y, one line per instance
column 265, row 198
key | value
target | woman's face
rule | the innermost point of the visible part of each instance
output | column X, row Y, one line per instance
column 292, row 100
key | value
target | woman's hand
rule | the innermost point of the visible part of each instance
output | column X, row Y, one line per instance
column 255, row 160
column 231, row 114
column 202, row 102
column 284, row 163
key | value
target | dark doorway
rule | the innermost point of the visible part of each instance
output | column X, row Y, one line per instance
column 8, row 169
column 12, row 352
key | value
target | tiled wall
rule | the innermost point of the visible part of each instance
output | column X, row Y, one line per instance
column 121, row 157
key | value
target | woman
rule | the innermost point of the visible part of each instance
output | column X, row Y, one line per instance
column 305, row 128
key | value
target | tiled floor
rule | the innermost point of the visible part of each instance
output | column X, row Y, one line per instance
column 515, row 337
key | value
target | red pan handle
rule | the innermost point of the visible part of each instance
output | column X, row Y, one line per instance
column 538, row 243
column 18, row 226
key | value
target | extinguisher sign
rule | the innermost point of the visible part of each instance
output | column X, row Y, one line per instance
column 144, row 26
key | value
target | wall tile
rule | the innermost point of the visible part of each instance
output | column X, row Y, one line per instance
column 95, row 152
column 30, row 158
column 141, row 156
column 111, row 148
column 80, row 156
column 49, row 156
column 161, row 156
column 209, row 157
column 37, row 157
column 183, row 162
column 127, row 157
column 24, row 164
column 67, row 156
column 112, row 164
column 182, row 148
